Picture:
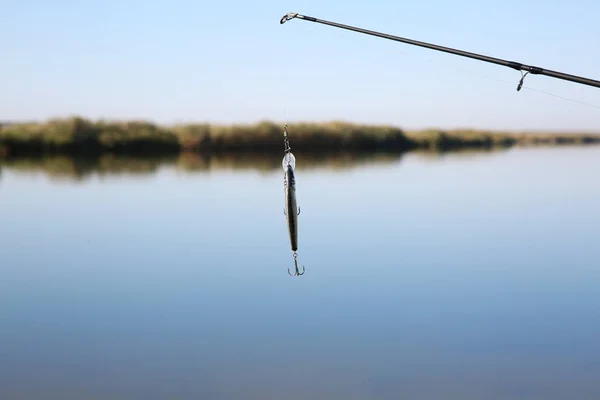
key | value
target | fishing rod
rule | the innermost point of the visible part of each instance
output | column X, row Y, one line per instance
column 511, row 64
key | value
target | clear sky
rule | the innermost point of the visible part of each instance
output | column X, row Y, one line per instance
column 231, row 61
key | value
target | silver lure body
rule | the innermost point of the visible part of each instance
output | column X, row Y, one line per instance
column 291, row 209
column 291, row 206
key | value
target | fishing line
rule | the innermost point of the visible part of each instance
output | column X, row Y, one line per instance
column 489, row 78
column 523, row 87
column 562, row 97
column 291, row 208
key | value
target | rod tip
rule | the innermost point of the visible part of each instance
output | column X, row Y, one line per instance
column 287, row 17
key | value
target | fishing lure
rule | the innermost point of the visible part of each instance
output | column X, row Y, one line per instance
column 291, row 210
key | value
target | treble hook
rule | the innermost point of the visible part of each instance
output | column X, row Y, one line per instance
column 297, row 273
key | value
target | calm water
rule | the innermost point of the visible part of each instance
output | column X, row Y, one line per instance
column 455, row 277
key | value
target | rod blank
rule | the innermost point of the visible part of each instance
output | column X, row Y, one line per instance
column 510, row 64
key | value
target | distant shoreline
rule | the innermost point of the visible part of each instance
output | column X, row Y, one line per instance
column 79, row 136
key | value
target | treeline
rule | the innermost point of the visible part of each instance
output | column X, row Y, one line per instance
column 79, row 136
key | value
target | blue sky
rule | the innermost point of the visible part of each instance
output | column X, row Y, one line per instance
column 231, row 62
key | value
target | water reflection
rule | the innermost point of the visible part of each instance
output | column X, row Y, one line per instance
column 61, row 167
column 80, row 168
column 472, row 277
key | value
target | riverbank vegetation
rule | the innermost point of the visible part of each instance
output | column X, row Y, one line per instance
column 79, row 136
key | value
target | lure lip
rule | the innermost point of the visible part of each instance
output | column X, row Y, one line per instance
column 288, row 160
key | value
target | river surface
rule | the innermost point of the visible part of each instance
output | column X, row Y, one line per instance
column 462, row 276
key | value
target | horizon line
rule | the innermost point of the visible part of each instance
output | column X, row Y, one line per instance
column 189, row 122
